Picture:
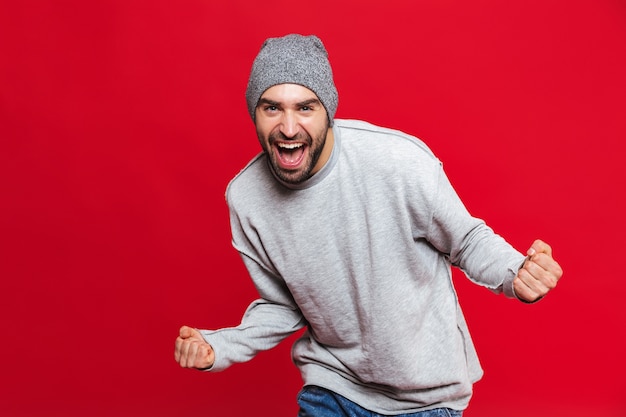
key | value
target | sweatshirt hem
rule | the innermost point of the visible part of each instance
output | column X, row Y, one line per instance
column 393, row 402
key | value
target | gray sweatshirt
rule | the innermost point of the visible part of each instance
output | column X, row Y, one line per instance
column 361, row 254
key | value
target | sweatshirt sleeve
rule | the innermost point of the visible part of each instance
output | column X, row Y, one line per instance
column 484, row 256
column 264, row 325
column 266, row 322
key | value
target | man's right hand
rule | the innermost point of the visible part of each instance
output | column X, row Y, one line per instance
column 192, row 351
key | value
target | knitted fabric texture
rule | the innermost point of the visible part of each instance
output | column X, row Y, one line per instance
column 293, row 59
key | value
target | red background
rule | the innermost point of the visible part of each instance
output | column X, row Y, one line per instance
column 122, row 122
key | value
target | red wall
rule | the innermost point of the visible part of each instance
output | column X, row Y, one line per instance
column 122, row 122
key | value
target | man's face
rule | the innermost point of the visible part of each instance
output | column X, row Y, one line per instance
column 292, row 126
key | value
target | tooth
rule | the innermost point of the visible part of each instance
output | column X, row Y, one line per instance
column 290, row 145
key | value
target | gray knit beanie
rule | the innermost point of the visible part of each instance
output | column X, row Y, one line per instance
column 293, row 59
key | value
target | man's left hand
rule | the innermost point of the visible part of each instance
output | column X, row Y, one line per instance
column 539, row 274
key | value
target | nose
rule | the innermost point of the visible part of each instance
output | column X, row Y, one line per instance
column 289, row 125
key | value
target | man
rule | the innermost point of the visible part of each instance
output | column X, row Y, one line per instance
column 350, row 230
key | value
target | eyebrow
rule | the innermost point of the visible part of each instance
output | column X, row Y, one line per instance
column 307, row 102
column 268, row 101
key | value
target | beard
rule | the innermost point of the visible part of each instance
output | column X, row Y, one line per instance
column 314, row 145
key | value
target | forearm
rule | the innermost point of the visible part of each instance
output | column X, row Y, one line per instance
column 488, row 260
column 263, row 326
column 485, row 257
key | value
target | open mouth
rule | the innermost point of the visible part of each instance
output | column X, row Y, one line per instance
column 290, row 154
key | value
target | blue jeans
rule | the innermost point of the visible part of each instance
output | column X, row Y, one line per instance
column 319, row 402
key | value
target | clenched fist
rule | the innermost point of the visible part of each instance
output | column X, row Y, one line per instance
column 192, row 351
column 539, row 274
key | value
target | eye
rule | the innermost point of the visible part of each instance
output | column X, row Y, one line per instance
column 305, row 108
